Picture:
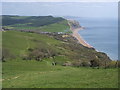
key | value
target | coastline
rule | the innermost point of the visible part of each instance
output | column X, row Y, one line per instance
column 77, row 35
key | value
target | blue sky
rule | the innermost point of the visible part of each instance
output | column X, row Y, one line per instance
column 81, row 9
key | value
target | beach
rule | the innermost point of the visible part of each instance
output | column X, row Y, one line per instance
column 78, row 37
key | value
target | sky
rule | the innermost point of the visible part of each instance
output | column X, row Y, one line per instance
column 59, row 0
column 80, row 9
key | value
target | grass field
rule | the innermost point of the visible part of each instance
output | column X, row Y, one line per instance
column 57, row 27
column 18, row 73
column 34, row 74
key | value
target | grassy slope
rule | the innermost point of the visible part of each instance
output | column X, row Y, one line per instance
column 46, row 23
column 20, row 74
column 57, row 27
column 33, row 74
column 19, row 42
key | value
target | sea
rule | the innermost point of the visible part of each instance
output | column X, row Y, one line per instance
column 101, row 33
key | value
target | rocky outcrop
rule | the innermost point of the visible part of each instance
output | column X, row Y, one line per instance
column 74, row 24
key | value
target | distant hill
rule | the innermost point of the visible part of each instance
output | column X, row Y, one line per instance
column 30, row 20
column 41, row 23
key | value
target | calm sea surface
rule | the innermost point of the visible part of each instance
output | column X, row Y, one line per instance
column 102, row 34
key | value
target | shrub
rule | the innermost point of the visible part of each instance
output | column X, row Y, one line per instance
column 85, row 64
column 40, row 53
column 76, row 63
column 94, row 63
column 67, row 63
column 30, row 49
column 36, row 54
column 113, row 64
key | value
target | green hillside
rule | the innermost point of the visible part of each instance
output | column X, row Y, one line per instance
column 39, row 23
column 18, row 43
column 48, row 59
column 34, row 46
column 19, row 72
column 29, row 20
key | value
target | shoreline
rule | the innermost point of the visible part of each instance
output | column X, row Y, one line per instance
column 78, row 36
column 75, row 33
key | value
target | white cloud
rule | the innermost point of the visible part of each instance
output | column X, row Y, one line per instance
column 59, row 0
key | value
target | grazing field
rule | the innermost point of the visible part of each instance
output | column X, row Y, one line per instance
column 34, row 74
column 51, row 60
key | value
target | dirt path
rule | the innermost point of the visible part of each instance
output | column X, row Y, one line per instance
column 11, row 78
column 16, row 77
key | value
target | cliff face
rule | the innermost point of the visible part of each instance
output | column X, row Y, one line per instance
column 74, row 24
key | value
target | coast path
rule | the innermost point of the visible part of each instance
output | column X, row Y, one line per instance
column 78, row 37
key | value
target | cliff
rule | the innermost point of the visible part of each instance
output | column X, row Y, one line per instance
column 74, row 24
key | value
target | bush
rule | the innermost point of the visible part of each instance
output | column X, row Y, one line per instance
column 26, row 57
column 36, row 54
column 76, row 63
column 85, row 64
column 67, row 63
column 113, row 64
column 94, row 63
column 40, row 53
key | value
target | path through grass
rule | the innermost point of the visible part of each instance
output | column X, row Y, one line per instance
column 33, row 74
